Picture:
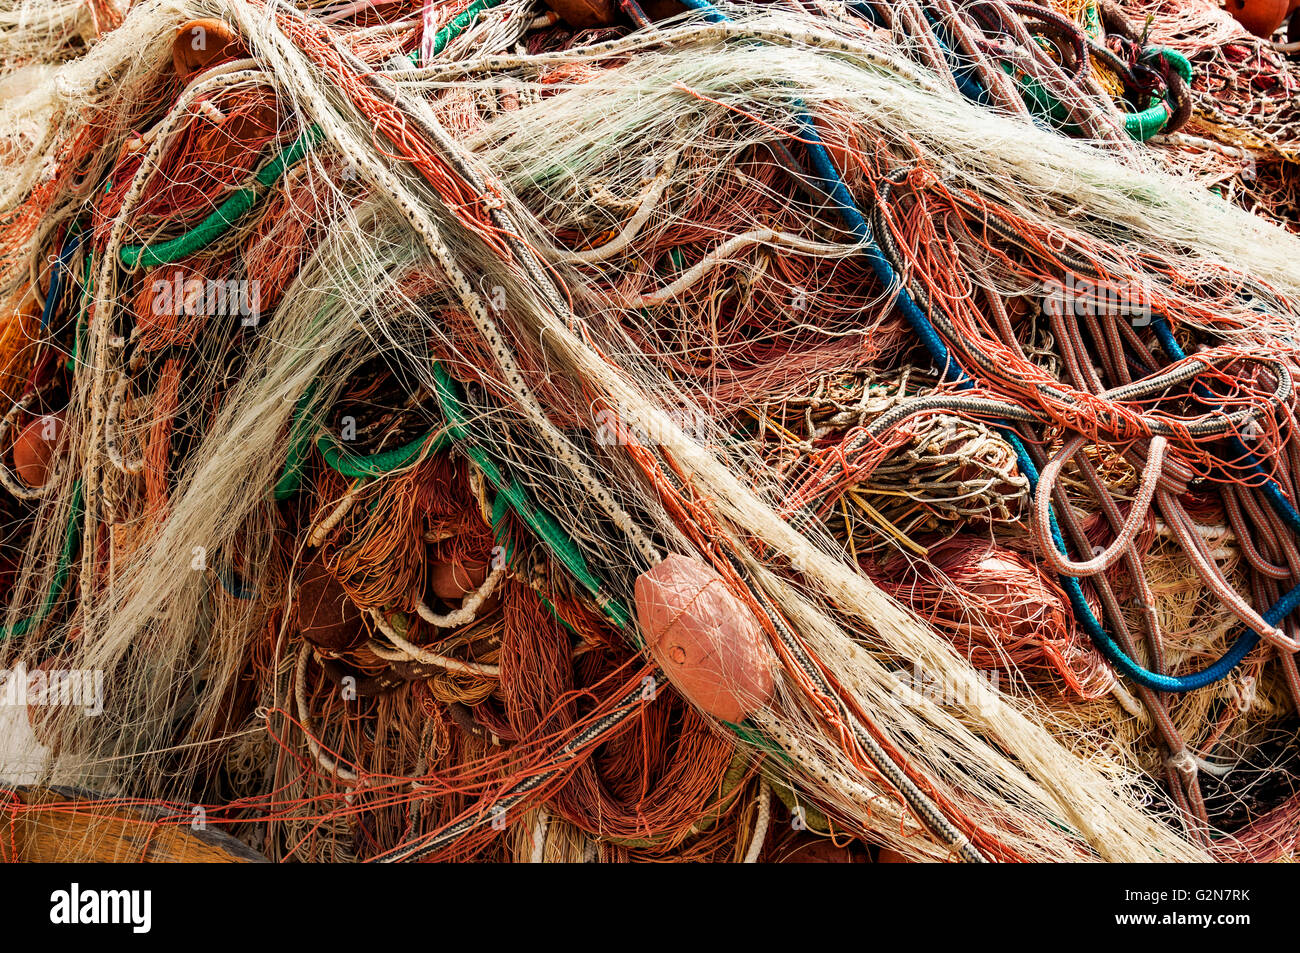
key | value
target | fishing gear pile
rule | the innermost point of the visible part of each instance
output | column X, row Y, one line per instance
column 650, row 430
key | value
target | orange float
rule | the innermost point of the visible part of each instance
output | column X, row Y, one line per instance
column 835, row 131
column 822, row 850
column 584, row 14
column 706, row 640
column 17, row 337
column 886, row 855
column 201, row 44
column 327, row 616
column 232, row 136
column 658, row 10
column 34, row 449
column 453, row 579
column 1260, row 17
column 51, row 694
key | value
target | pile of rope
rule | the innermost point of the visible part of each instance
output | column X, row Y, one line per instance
column 579, row 431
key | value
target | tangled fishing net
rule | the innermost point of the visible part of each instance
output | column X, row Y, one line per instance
column 652, row 431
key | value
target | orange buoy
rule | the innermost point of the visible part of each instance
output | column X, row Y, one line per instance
column 35, row 447
column 327, row 616
column 658, row 10
column 836, row 134
column 200, row 44
column 53, row 694
column 886, row 855
column 706, row 640
column 1260, row 17
column 18, row 335
column 234, row 133
column 822, row 850
column 584, row 14
column 453, row 579
column 259, row 121
column 999, row 611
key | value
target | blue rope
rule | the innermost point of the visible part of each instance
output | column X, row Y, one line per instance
column 832, row 185
column 56, row 278
column 1113, row 652
column 962, row 67
column 835, row 189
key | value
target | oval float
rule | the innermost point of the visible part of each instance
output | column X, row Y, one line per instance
column 327, row 616
column 200, row 44
column 453, row 579
column 34, row 449
column 1260, row 17
column 706, row 640
column 584, row 14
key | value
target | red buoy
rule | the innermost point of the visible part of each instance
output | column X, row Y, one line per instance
column 200, row 44
column 823, row 850
column 453, row 579
column 998, row 610
column 327, row 616
column 658, row 10
column 706, row 640
column 1260, row 17
column 35, row 447
column 55, row 697
column 584, row 14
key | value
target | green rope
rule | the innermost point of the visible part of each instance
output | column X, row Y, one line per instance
column 70, row 537
column 225, row 215
column 87, row 293
column 1140, row 126
column 509, row 493
column 299, row 441
column 538, row 520
column 1177, row 61
column 459, row 24
column 342, row 460
column 350, row 464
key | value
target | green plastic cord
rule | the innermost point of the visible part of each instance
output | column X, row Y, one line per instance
column 1140, row 126
column 357, row 466
column 1177, row 61
column 1092, row 21
column 225, row 215
column 460, row 23
column 70, row 537
column 353, row 465
column 299, row 441
column 538, row 520
column 342, row 460
column 87, row 293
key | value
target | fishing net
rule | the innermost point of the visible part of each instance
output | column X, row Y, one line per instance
column 601, row 432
